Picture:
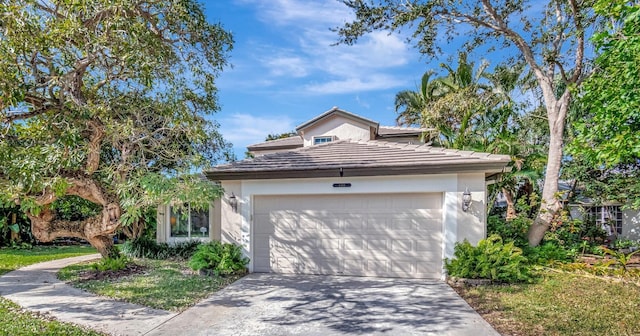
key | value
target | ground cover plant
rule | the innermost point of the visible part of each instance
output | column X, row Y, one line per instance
column 219, row 259
column 162, row 284
column 145, row 247
column 560, row 303
column 14, row 320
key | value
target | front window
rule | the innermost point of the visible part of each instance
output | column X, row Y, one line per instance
column 187, row 223
column 322, row 139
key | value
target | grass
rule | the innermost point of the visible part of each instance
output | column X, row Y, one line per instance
column 164, row 284
column 14, row 320
column 559, row 304
column 11, row 259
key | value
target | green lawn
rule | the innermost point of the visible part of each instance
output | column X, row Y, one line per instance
column 15, row 321
column 560, row 304
column 161, row 284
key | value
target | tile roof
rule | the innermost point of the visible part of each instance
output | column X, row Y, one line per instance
column 359, row 158
column 290, row 142
column 397, row 130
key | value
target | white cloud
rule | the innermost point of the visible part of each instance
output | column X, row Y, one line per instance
column 287, row 66
column 292, row 12
column 243, row 129
column 352, row 85
column 369, row 65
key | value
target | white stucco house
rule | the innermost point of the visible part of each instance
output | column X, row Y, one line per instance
column 347, row 196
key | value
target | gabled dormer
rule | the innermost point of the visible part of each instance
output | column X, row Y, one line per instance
column 337, row 124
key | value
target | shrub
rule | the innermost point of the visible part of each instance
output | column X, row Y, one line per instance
column 548, row 253
column 145, row 247
column 491, row 259
column 514, row 230
column 111, row 264
column 219, row 259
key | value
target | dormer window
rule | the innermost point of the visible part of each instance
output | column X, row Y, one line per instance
column 322, row 139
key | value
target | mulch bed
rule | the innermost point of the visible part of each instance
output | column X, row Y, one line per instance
column 130, row 269
column 596, row 259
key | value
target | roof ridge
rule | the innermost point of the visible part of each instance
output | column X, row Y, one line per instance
column 403, row 128
column 275, row 140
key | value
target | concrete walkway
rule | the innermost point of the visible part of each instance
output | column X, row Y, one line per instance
column 36, row 288
column 260, row 304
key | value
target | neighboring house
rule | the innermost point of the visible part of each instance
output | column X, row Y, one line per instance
column 619, row 222
column 350, row 197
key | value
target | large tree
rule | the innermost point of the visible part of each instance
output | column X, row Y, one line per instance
column 106, row 100
column 608, row 133
column 551, row 43
column 606, row 146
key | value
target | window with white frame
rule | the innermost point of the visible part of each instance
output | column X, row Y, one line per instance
column 188, row 223
column 607, row 215
column 322, row 139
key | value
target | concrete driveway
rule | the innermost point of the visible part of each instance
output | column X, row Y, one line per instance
column 275, row 304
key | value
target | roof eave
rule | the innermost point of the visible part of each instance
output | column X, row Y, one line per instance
column 490, row 167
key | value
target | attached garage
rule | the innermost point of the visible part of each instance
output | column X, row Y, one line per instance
column 389, row 235
column 346, row 196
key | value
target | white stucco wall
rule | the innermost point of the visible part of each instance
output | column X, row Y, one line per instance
column 457, row 224
column 338, row 126
column 631, row 224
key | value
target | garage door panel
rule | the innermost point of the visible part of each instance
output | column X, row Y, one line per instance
column 369, row 235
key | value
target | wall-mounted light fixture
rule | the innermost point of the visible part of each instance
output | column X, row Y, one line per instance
column 233, row 202
column 466, row 200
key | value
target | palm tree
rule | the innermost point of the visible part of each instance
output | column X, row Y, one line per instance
column 462, row 99
column 411, row 105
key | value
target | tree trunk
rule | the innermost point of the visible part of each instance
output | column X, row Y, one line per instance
column 511, row 205
column 96, row 230
column 550, row 206
column 104, row 245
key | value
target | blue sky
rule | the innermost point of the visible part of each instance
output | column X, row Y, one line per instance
column 285, row 70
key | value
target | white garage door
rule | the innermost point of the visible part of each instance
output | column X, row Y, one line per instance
column 390, row 235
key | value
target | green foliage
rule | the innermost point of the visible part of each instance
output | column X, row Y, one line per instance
column 624, row 243
column 21, row 227
column 107, row 104
column 610, row 132
column 145, row 247
column 510, row 231
column 277, row 136
column 74, row 208
column 111, row 264
column 548, row 253
column 620, row 257
column 491, row 259
column 219, row 258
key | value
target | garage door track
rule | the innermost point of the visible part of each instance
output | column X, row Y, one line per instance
column 275, row 304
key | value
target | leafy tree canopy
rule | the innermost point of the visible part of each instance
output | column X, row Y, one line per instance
column 107, row 100
column 548, row 36
column 608, row 134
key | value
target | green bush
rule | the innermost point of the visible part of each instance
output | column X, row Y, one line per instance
column 491, row 259
column 219, row 259
column 514, row 230
column 145, row 247
column 547, row 253
column 111, row 264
